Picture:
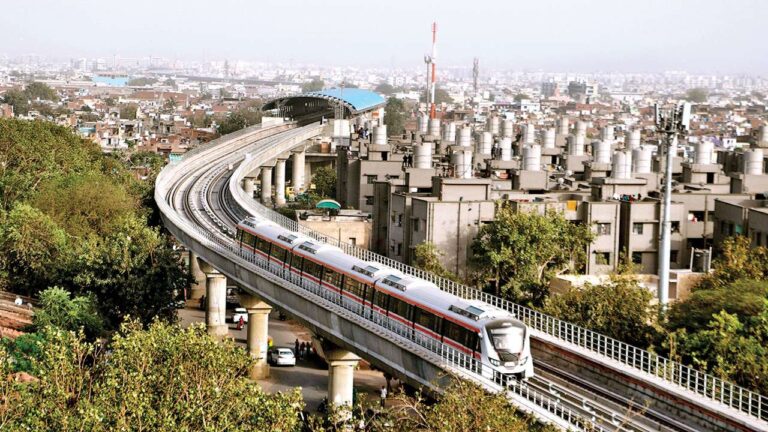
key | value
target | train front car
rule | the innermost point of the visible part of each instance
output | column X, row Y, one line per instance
column 506, row 345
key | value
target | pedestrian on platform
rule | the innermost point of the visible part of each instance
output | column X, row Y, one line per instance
column 302, row 347
column 241, row 323
column 296, row 347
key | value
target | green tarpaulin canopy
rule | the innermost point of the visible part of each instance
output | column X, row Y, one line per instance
column 328, row 204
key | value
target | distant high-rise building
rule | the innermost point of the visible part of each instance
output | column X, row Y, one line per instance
column 550, row 89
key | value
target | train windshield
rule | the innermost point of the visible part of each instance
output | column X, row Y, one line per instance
column 507, row 338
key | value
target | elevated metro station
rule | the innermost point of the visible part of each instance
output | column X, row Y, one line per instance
column 341, row 103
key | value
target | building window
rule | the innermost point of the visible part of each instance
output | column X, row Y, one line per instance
column 371, row 178
column 673, row 256
column 675, row 227
column 602, row 258
column 399, row 249
column 368, row 200
column 637, row 228
column 637, row 257
column 353, row 241
column 416, row 225
column 400, row 220
column 603, row 228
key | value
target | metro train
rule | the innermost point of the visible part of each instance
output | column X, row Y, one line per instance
column 499, row 341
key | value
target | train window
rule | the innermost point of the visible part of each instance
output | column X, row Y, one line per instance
column 426, row 319
column 380, row 299
column 332, row 277
column 369, row 294
column 461, row 335
column 400, row 307
column 354, row 287
column 262, row 245
column 278, row 253
column 312, row 268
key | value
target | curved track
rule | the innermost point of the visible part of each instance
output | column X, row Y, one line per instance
column 201, row 198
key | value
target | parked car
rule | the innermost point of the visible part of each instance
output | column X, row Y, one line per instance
column 281, row 357
column 240, row 312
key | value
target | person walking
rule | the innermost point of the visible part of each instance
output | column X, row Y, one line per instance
column 241, row 323
column 296, row 347
column 302, row 347
column 383, row 394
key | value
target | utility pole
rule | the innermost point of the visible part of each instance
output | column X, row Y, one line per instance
column 669, row 124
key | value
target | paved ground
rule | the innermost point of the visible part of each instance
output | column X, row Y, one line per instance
column 309, row 374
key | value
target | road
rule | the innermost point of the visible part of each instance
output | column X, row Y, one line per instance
column 309, row 374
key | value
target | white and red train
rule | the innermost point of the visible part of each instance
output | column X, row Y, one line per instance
column 481, row 331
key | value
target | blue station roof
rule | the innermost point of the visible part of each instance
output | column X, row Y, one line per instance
column 354, row 99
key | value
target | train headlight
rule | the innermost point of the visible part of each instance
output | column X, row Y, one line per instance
column 494, row 361
column 524, row 360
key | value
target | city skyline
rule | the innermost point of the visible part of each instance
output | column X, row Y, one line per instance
column 589, row 36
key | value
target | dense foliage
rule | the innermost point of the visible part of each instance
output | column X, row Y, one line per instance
column 248, row 115
column 426, row 256
column 315, row 85
column 22, row 100
column 519, row 252
column 619, row 308
column 160, row 378
column 324, row 179
column 74, row 218
column 723, row 327
column 394, row 116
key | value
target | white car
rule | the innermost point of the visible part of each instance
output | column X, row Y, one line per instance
column 281, row 357
column 240, row 313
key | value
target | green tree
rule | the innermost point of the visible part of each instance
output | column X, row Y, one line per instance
column 426, row 256
column 32, row 248
column 141, row 81
column 744, row 298
column 394, row 116
column 58, row 309
column 463, row 407
column 521, row 96
column 596, row 307
column 697, row 95
column 240, row 119
column 737, row 260
column 38, row 90
column 160, row 378
column 441, row 96
column 385, row 89
column 324, row 179
column 18, row 100
column 315, row 85
column 519, row 252
column 128, row 111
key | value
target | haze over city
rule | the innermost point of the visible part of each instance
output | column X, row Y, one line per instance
column 583, row 36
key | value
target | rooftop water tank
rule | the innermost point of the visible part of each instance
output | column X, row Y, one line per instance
column 462, row 163
column 532, row 158
column 601, row 152
column 607, row 134
column 449, row 132
column 423, row 124
column 581, row 128
column 622, row 165
column 549, row 138
column 641, row 160
column 575, row 145
column 492, row 125
column 484, row 143
column 507, row 128
column 506, row 149
column 703, row 152
column 465, row 136
column 422, row 157
column 753, row 161
column 529, row 134
column 633, row 139
column 562, row 126
column 380, row 135
column 434, row 127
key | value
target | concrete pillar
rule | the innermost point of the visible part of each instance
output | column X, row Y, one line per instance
column 216, row 298
column 341, row 376
column 197, row 286
column 258, row 330
column 297, row 174
column 249, row 186
column 280, row 182
column 266, row 185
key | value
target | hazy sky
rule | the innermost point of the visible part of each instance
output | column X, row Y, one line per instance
column 553, row 35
